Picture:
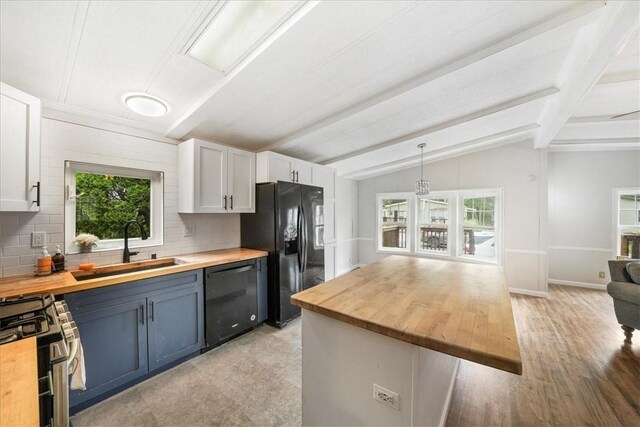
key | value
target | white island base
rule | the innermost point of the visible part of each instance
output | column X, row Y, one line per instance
column 341, row 363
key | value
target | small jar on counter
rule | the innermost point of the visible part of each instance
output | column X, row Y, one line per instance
column 57, row 260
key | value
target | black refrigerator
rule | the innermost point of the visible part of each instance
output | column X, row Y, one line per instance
column 289, row 224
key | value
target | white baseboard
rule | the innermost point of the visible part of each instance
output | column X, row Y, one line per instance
column 577, row 284
column 539, row 294
column 447, row 404
column 348, row 269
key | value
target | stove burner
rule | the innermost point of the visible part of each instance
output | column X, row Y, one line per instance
column 27, row 316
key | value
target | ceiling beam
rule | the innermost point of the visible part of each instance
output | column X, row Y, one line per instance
column 629, row 76
column 510, row 136
column 578, row 15
column 512, row 103
column 599, row 119
column 592, row 52
column 595, row 141
column 597, row 146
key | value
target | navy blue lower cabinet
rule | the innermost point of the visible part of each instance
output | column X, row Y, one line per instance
column 176, row 325
column 114, row 340
column 130, row 330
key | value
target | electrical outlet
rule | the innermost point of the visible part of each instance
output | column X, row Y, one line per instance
column 189, row 230
column 601, row 274
column 386, row 397
column 38, row 239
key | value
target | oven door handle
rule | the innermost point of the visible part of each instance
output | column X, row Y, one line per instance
column 73, row 350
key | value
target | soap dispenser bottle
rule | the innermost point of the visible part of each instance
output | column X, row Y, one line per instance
column 57, row 260
column 43, row 266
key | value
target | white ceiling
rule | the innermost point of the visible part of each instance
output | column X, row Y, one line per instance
column 356, row 85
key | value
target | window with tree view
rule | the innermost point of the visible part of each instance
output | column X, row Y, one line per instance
column 478, row 227
column 104, row 203
column 628, row 221
column 433, row 225
column 394, row 214
column 460, row 224
column 102, row 199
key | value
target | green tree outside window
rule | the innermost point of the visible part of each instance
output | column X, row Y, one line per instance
column 106, row 202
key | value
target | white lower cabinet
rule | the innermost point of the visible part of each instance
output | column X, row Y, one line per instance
column 213, row 178
column 19, row 150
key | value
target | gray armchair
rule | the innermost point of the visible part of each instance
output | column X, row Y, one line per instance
column 626, row 298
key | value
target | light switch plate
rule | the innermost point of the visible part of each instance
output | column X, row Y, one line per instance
column 38, row 239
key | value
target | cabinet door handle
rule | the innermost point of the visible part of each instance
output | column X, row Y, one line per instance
column 225, row 203
column 297, row 176
column 231, row 201
column 153, row 311
column 293, row 176
column 37, row 187
column 142, row 313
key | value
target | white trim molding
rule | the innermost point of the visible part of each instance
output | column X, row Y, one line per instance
column 82, row 117
column 525, row 251
column 576, row 248
column 529, row 292
column 587, row 285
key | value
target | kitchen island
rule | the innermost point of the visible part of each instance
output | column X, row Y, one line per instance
column 403, row 324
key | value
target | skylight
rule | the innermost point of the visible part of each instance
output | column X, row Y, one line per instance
column 238, row 29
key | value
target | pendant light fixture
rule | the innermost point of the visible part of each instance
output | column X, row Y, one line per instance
column 422, row 186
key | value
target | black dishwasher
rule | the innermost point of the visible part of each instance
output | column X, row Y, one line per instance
column 231, row 301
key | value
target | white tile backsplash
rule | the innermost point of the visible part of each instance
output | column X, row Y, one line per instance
column 67, row 141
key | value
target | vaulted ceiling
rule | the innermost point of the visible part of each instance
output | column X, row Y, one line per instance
column 356, row 85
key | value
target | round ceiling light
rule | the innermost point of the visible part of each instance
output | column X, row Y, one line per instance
column 146, row 105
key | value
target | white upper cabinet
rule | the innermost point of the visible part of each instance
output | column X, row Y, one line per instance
column 303, row 171
column 214, row 178
column 272, row 167
column 19, row 151
column 241, row 180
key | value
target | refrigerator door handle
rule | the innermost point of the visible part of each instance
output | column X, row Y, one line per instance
column 303, row 226
column 299, row 238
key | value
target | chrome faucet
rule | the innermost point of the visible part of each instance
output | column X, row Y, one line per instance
column 126, row 256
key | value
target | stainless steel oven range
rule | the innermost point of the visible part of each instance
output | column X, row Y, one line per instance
column 57, row 340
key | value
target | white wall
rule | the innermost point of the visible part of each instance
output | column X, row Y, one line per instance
column 581, row 211
column 65, row 141
column 346, row 225
column 525, row 205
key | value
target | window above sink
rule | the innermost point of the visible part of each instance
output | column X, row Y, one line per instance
column 100, row 199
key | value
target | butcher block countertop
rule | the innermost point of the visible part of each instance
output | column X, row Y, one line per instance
column 460, row 309
column 62, row 283
column 19, row 384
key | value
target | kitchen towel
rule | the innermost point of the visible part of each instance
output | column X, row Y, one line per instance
column 78, row 374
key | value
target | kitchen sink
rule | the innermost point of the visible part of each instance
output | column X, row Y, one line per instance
column 117, row 269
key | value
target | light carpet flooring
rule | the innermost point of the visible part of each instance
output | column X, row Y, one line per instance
column 575, row 373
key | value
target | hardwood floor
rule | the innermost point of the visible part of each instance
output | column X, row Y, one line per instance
column 576, row 370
